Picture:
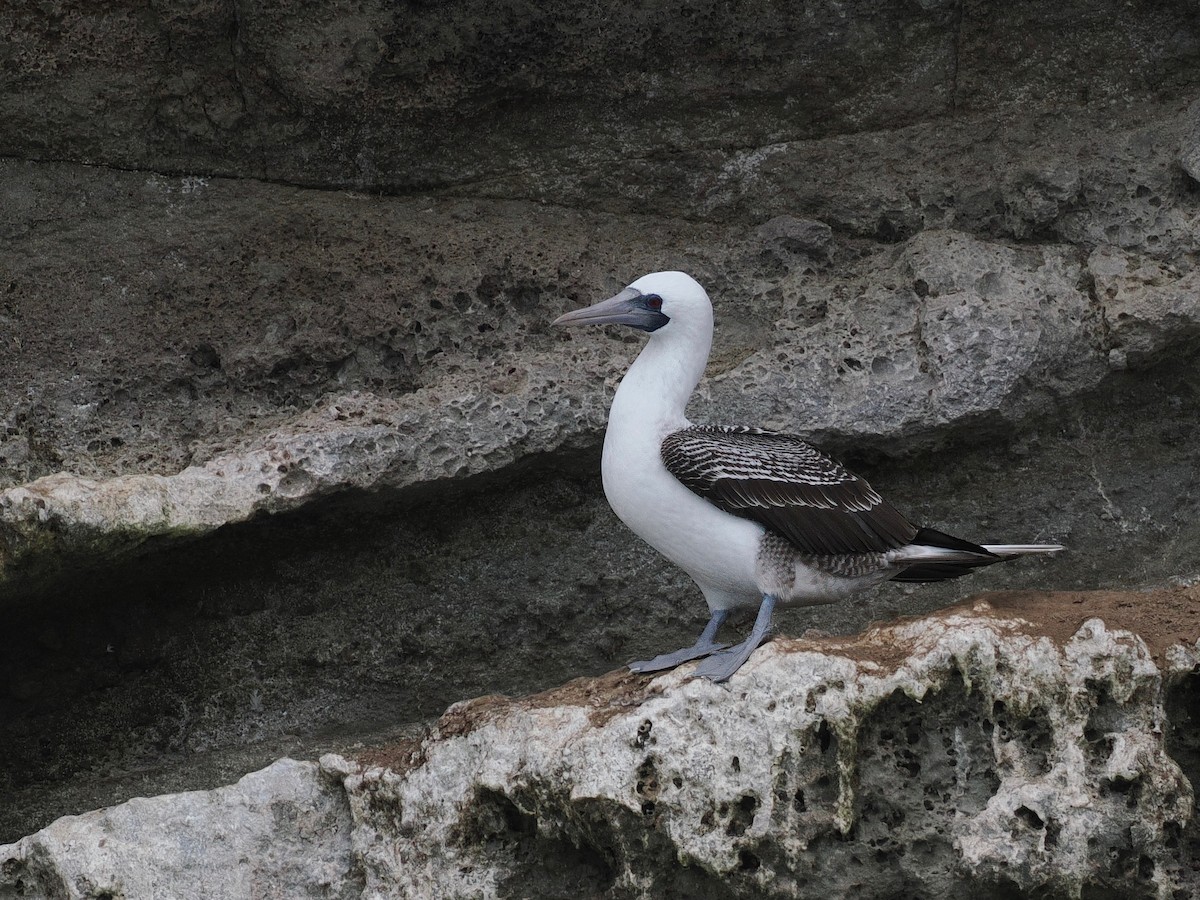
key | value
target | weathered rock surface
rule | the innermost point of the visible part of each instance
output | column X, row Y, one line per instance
column 174, row 409
column 283, row 468
column 1019, row 745
column 581, row 101
column 277, row 833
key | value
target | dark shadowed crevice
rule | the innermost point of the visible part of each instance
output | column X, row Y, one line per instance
column 540, row 866
column 920, row 763
column 1183, row 744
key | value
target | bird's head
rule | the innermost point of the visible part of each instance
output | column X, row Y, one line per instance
column 660, row 303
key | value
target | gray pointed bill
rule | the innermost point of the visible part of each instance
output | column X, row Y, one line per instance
column 627, row 308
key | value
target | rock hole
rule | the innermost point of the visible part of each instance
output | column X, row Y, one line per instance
column 1145, row 868
column 742, row 816
column 1099, row 720
column 1130, row 787
column 919, row 761
column 824, row 736
column 1030, row 818
column 559, row 866
column 1171, row 835
column 647, row 785
column 1053, row 829
column 205, row 357
column 495, row 815
column 747, row 861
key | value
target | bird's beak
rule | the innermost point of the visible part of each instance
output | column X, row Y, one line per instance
column 618, row 310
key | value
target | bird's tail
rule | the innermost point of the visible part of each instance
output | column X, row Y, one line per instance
column 935, row 556
column 1011, row 551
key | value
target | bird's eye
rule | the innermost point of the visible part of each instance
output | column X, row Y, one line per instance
column 654, row 302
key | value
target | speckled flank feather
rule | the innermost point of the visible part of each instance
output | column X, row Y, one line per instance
column 826, row 578
column 788, row 485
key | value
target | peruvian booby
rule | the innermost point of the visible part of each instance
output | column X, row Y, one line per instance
column 756, row 518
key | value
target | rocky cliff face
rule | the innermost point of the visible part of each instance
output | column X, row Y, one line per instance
column 995, row 747
column 289, row 459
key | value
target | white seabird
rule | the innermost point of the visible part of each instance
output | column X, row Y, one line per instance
column 756, row 518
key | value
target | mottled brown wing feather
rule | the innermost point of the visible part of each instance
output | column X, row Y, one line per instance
column 788, row 485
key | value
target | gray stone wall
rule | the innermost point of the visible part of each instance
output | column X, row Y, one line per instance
column 290, row 461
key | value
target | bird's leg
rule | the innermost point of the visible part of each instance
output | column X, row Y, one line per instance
column 705, row 644
column 719, row 666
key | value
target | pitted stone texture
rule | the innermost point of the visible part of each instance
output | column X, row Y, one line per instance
column 1000, row 746
column 224, row 322
column 1150, row 307
column 353, row 441
column 278, row 833
column 218, row 311
column 1084, row 176
column 534, row 103
column 1189, row 144
column 917, row 760
column 427, row 369
column 946, row 331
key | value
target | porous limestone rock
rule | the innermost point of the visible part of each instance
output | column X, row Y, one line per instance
column 1018, row 746
column 947, row 330
column 1150, row 307
column 196, row 332
column 278, row 833
column 351, row 441
column 1189, row 144
column 195, row 392
column 904, row 345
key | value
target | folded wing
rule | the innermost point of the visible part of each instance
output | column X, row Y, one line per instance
column 788, row 485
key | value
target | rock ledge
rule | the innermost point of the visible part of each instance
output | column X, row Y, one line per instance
column 1023, row 742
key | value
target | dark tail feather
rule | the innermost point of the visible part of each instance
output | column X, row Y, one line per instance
column 942, row 571
column 931, row 537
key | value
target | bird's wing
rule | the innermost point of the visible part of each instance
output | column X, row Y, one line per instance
column 786, row 484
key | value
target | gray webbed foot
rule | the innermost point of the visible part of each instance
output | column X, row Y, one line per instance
column 671, row 660
column 721, row 666
column 705, row 644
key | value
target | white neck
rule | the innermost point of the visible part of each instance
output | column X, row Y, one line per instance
column 655, row 391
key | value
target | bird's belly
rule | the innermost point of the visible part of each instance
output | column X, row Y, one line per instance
column 812, row 587
column 717, row 549
column 796, row 578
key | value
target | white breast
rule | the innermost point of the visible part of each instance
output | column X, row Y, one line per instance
column 716, row 549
